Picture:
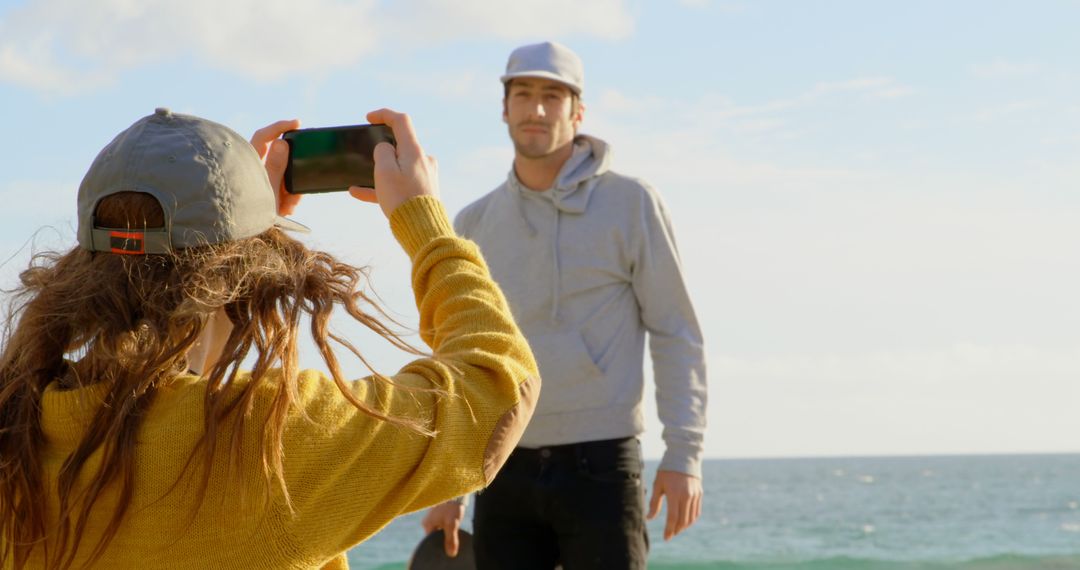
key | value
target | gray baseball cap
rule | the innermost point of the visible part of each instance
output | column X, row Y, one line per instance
column 547, row 60
column 208, row 179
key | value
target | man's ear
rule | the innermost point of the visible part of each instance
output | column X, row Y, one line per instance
column 580, row 115
column 505, row 116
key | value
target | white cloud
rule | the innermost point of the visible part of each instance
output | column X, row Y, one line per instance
column 965, row 366
column 262, row 40
column 1005, row 69
column 963, row 398
column 834, row 237
column 518, row 20
column 714, row 110
column 819, row 313
column 760, row 126
column 970, row 398
column 615, row 101
column 38, row 71
column 883, row 87
column 997, row 112
column 66, row 46
column 722, row 6
column 37, row 199
column 460, row 85
column 672, row 139
column 40, row 225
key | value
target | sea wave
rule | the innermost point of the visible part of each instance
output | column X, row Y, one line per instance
column 1002, row 562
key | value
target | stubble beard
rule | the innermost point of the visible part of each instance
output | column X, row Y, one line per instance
column 532, row 152
column 534, row 147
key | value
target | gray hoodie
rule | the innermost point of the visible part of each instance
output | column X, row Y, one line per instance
column 588, row 268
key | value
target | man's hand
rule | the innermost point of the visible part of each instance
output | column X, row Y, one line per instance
column 402, row 172
column 446, row 516
column 275, row 155
column 684, row 495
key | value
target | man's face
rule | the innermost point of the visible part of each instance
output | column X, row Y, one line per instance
column 538, row 114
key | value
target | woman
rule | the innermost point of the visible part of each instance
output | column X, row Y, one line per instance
column 129, row 436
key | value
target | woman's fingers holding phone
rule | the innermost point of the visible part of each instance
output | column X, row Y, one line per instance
column 385, row 160
column 263, row 137
column 408, row 147
column 277, row 158
column 402, row 172
column 363, row 194
column 274, row 153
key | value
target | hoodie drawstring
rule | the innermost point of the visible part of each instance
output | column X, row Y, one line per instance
column 521, row 212
column 569, row 195
column 555, row 274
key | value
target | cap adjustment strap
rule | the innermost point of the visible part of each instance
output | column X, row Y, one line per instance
column 127, row 243
column 130, row 242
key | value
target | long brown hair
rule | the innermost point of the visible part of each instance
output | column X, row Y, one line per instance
column 128, row 322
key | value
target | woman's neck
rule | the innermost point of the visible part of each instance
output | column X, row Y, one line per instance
column 207, row 350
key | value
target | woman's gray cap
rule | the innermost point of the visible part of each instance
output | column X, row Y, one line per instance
column 548, row 60
column 208, row 179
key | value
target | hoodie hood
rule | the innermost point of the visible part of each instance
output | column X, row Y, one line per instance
column 577, row 178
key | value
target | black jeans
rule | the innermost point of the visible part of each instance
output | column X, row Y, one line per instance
column 579, row 505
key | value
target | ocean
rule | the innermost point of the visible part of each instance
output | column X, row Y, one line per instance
column 1007, row 512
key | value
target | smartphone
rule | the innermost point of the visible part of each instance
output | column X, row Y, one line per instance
column 330, row 159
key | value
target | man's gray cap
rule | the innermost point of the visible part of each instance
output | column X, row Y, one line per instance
column 208, row 179
column 548, row 60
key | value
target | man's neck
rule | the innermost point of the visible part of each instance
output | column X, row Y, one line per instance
column 538, row 174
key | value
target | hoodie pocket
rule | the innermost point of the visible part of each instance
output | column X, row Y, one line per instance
column 572, row 381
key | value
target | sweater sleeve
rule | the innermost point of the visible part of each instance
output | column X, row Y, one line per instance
column 349, row 474
column 675, row 341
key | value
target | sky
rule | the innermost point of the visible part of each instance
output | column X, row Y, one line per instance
column 877, row 205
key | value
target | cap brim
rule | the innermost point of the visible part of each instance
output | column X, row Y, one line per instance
column 541, row 75
column 290, row 225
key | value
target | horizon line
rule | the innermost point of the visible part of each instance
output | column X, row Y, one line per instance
column 905, row 455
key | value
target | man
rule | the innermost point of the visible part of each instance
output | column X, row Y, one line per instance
column 587, row 260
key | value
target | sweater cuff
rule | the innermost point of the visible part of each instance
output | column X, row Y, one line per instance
column 418, row 221
column 684, row 460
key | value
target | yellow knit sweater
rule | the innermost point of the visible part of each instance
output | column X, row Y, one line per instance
column 348, row 474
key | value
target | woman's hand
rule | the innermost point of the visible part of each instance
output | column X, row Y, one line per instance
column 400, row 173
column 275, row 155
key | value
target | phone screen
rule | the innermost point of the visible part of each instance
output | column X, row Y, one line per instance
column 331, row 159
